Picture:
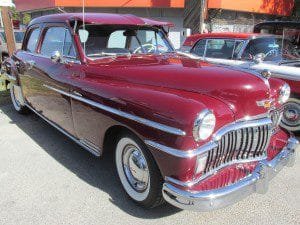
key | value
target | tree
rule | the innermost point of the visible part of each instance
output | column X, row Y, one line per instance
column 26, row 18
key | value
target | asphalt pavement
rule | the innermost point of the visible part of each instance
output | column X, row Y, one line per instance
column 45, row 178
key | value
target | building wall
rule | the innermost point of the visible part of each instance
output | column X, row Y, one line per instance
column 29, row 5
column 233, row 21
column 274, row 7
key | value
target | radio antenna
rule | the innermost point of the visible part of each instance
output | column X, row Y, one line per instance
column 83, row 21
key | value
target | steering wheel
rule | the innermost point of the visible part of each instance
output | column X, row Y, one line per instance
column 148, row 47
column 272, row 52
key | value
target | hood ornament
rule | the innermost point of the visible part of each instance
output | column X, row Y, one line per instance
column 266, row 74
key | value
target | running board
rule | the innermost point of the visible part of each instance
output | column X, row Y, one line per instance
column 83, row 143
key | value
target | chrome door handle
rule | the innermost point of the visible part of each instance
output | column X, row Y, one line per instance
column 30, row 63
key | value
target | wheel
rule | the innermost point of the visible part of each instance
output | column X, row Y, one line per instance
column 16, row 103
column 138, row 172
column 291, row 115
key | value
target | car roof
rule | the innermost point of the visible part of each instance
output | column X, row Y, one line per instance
column 100, row 18
column 277, row 25
column 190, row 41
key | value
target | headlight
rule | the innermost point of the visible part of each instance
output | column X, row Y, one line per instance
column 204, row 125
column 284, row 94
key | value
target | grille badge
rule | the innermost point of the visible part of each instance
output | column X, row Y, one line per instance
column 266, row 103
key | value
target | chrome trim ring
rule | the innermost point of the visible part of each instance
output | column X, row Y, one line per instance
column 137, row 119
column 199, row 122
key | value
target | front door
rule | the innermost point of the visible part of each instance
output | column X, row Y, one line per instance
column 46, row 87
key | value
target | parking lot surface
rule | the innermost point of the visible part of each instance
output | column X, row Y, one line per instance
column 45, row 178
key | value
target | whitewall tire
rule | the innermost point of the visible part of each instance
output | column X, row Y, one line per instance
column 14, row 98
column 138, row 172
column 291, row 115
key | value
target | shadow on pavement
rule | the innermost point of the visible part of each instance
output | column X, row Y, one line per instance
column 97, row 172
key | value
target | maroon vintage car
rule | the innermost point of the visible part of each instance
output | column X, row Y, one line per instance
column 197, row 135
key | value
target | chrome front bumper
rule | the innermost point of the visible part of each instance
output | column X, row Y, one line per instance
column 219, row 198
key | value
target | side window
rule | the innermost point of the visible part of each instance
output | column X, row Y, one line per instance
column 33, row 40
column 199, row 48
column 69, row 49
column 219, row 48
column 117, row 40
column 53, row 41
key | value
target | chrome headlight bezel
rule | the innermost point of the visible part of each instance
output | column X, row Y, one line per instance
column 204, row 125
column 284, row 93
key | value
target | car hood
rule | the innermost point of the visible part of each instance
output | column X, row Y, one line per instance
column 238, row 89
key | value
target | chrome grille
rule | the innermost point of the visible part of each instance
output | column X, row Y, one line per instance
column 238, row 145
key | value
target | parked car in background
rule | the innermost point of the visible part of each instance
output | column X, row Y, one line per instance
column 278, row 54
column 180, row 132
column 18, row 35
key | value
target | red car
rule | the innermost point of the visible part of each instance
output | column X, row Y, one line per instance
column 179, row 130
column 278, row 54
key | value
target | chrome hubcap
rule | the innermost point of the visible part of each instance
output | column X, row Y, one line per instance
column 135, row 168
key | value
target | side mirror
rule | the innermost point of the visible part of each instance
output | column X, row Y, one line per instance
column 258, row 58
column 56, row 57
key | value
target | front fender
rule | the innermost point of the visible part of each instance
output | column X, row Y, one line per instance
column 169, row 107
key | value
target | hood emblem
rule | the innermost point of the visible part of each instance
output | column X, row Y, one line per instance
column 266, row 74
column 266, row 103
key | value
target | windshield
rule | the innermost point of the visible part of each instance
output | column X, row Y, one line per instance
column 99, row 40
column 273, row 49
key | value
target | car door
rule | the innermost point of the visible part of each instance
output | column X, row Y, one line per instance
column 46, row 86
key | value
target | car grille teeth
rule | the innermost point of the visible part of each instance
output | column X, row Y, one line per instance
column 244, row 144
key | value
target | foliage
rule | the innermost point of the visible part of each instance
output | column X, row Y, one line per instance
column 15, row 15
column 26, row 18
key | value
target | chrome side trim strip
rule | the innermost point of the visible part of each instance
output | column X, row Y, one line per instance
column 94, row 151
column 213, row 143
column 137, row 119
column 181, row 153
